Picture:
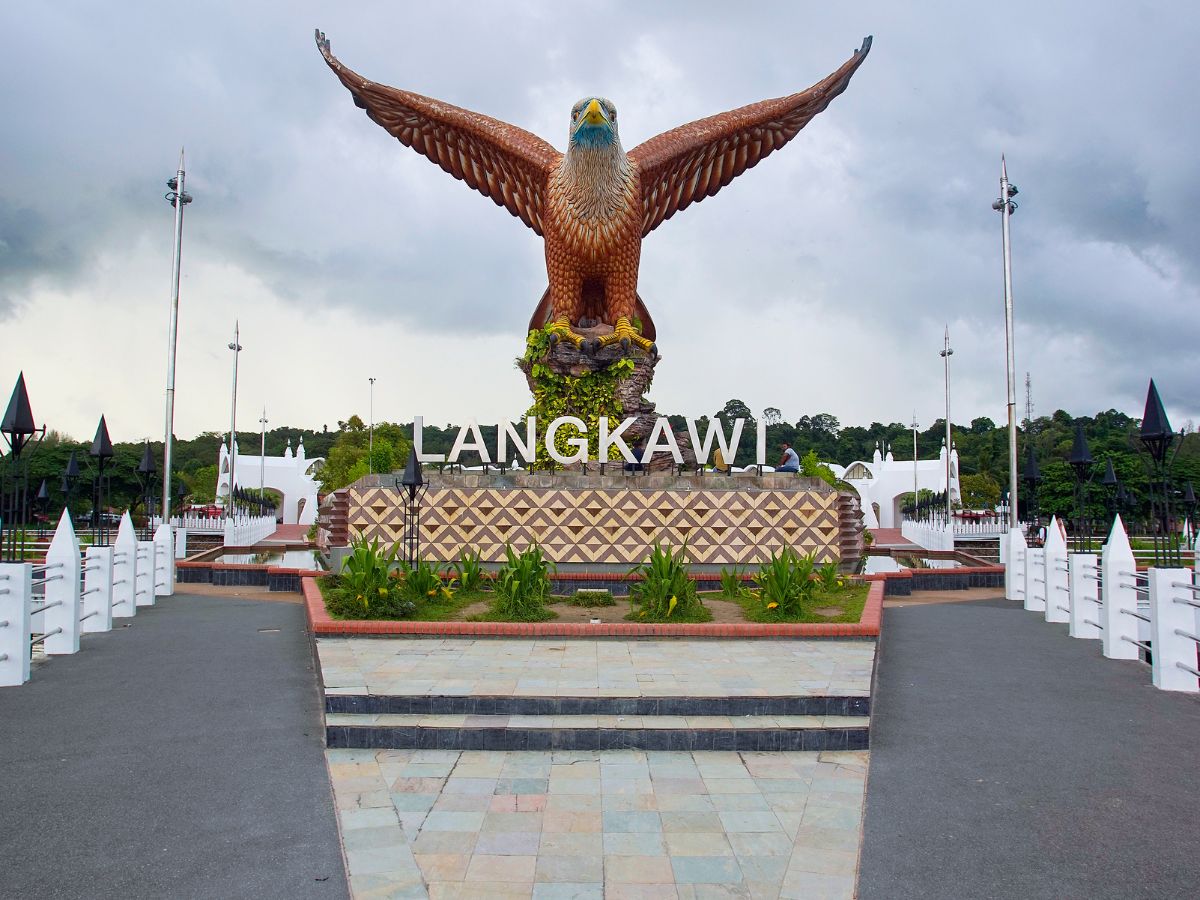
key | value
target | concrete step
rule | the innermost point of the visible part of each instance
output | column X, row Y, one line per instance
column 471, row 731
column 514, row 705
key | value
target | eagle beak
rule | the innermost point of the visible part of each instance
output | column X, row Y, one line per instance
column 594, row 114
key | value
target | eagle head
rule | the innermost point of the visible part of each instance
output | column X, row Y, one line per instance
column 594, row 123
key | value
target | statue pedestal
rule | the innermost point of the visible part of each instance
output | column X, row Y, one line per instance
column 569, row 381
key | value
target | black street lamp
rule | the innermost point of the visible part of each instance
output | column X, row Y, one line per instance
column 70, row 478
column 19, row 433
column 1156, row 436
column 1032, row 476
column 42, row 504
column 414, row 484
column 1189, row 507
column 1112, row 485
column 102, row 452
column 147, row 473
column 1081, row 462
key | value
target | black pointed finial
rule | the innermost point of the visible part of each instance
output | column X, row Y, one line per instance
column 413, row 478
column 1155, row 432
column 1081, row 457
column 18, row 425
column 1110, row 475
column 146, row 466
column 102, row 447
column 72, row 470
column 43, row 495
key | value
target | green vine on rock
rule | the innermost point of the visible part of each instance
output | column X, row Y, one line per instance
column 589, row 397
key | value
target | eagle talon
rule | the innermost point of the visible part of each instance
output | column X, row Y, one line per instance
column 561, row 331
column 625, row 334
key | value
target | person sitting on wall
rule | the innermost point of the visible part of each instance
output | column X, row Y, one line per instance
column 719, row 465
column 789, row 462
column 639, row 453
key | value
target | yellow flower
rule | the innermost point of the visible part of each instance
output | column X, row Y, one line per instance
column 432, row 592
column 772, row 605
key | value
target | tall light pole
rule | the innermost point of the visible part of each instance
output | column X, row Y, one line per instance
column 946, row 354
column 914, row 427
column 262, row 454
column 178, row 198
column 237, row 349
column 1006, row 206
column 371, row 433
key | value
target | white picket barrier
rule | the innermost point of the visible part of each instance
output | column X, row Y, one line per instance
column 1084, row 578
column 1014, row 566
column 143, row 581
column 1118, row 611
column 1056, row 574
column 1035, row 579
column 16, row 595
column 60, row 592
column 124, row 571
column 1173, row 633
column 246, row 531
column 96, row 598
column 164, row 561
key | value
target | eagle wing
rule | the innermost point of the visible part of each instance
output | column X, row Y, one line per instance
column 683, row 166
column 499, row 160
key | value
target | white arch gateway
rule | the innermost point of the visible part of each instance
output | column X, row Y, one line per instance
column 881, row 483
column 292, row 474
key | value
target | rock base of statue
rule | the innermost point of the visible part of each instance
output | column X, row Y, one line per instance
column 565, row 359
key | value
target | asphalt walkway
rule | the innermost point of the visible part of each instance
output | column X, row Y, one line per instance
column 1011, row 761
column 180, row 756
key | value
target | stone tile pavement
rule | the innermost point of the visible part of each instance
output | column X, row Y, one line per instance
column 615, row 824
column 596, row 668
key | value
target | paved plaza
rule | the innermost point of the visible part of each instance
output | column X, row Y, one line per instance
column 597, row 668
column 619, row 824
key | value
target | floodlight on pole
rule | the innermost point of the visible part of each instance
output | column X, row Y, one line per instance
column 946, row 354
column 262, row 454
column 914, row 427
column 1006, row 206
column 371, row 432
column 178, row 198
column 236, row 347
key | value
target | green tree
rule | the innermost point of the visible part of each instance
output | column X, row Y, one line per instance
column 979, row 491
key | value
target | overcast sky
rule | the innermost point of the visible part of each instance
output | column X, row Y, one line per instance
column 821, row 280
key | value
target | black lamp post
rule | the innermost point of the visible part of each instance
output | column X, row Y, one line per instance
column 1032, row 476
column 1112, row 485
column 42, row 504
column 1081, row 463
column 19, row 433
column 1189, row 507
column 1156, row 436
column 102, row 452
column 148, row 473
column 414, row 486
column 70, row 478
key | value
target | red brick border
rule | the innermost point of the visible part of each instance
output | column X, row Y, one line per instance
column 321, row 623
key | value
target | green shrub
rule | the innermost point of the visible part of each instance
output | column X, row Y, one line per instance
column 829, row 576
column 367, row 588
column 731, row 581
column 471, row 575
column 786, row 582
column 522, row 586
column 591, row 597
column 422, row 583
column 665, row 589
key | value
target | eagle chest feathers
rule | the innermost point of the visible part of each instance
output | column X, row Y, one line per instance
column 594, row 204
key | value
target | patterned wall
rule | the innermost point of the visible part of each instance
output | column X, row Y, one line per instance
column 607, row 525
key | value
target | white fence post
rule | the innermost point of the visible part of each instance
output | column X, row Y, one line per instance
column 1035, row 580
column 1119, row 596
column 1014, row 568
column 16, row 593
column 1058, row 588
column 124, row 570
column 143, row 590
column 1172, row 631
column 96, row 600
column 164, row 561
column 61, row 591
column 1085, row 596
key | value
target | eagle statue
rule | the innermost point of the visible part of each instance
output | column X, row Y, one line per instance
column 595, row 203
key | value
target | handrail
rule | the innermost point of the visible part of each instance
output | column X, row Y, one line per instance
column 44, row 607
column 1130, row 612
column 38, row 640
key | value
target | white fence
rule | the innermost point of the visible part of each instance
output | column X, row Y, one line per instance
column 53, row 602
column 1104, row 597
column 246, row 531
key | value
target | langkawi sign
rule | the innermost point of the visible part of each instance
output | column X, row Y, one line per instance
column 660, row 440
